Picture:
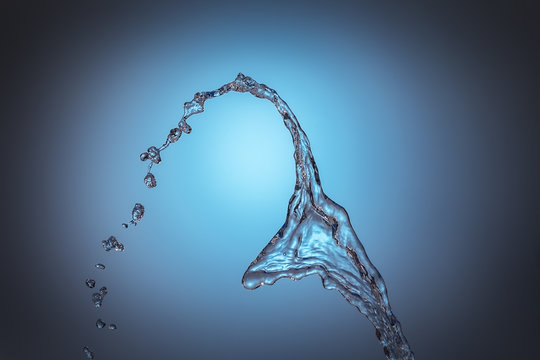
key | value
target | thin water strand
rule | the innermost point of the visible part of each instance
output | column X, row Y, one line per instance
column 316, row 237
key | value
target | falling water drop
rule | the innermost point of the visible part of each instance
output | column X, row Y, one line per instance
column 97, row 299
column 100, row 324
column 103, row 291
column 137, row 213
column 144, row 156
column 100, row 266
column 124, row 225
column 113, row 327
column 150, row 180
column 89, row 354
column 91, row 283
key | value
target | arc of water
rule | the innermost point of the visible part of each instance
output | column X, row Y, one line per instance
column 317, row 236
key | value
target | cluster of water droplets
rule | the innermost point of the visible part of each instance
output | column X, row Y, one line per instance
column 100, row 324
column 97, row 298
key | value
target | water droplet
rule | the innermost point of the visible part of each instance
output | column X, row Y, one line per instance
column 137, row 213
column 153, row 154
column 144, row 156
column 186, row 128
column 112, row 243
column 150, row 180
column 113, row 327
column 89, row 354
column 125, row 225
column 97, row 299
column 100, row 324
column 100, row 266
column 103, row 291
column 174, row 135
column 90, row 283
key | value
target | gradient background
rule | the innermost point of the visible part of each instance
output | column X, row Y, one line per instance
column 423, row 122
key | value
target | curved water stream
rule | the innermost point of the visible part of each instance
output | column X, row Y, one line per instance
column 317, row 236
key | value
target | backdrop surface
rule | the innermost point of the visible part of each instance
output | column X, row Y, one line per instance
column 422, row 122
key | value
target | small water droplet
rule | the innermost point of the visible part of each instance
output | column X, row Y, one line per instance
column 112, row 243
column 103, row 291
column 186, row 128
column 137, row 213
column 100, row 266
column 154, row 155
column 125, row 225
column 97, row 299
column 90, row 283
column 113, row 327
column 150, row 180
column 174, row 135
column 100, row 324
column 89, row 354
column 144, row 156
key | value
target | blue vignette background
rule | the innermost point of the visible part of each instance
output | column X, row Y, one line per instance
column 422, row 120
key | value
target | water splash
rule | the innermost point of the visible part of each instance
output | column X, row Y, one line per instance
column 317, row 236
column 136, row 215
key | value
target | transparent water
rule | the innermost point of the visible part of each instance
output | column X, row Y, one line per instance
column 111, row 243
column 317, row 237
column 89, row 353
column 100, row 324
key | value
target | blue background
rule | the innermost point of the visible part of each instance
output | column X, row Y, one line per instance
column 421, row 120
